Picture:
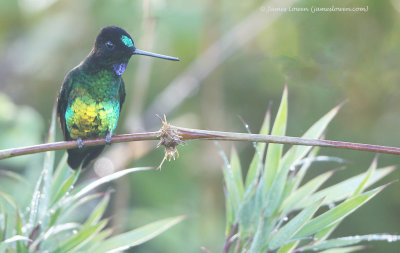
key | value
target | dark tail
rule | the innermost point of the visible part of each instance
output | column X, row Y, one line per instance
column 85, row 155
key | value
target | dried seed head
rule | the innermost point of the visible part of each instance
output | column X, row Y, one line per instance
column 170, row 139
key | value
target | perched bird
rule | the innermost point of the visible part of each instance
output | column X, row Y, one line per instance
column 92, row 94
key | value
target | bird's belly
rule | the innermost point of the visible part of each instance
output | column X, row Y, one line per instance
column 86, row 118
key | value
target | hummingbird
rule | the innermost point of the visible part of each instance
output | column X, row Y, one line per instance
column 92, row 94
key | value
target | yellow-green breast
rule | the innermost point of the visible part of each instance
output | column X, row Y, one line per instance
column 93, row 107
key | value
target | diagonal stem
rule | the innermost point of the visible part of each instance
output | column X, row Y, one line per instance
column 7, row 153
column 185, row 134
column 191, row 134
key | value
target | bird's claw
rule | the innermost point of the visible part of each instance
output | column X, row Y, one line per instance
column 108, row 138
column 80, row 143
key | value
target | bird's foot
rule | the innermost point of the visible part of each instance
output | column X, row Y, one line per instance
column 108, row 138
column 80, row 142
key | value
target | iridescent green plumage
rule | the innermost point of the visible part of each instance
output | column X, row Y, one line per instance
column 92, row 95
column 89, row 106
column 94, row 106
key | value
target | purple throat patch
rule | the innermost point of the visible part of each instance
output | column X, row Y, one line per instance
column 119, row 68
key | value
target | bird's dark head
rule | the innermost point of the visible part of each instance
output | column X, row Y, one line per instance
column 114, row 47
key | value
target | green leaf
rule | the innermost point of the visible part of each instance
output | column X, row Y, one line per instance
column 336, row 214
column 98, row 211
column 305, row 191
column 234, row 187
column 230, row 218
column 257, row 241
column 287, row 248
column 251, row 205
column 323, row 234
column 61, row 173
column 231, row 209
column 137, row 236
column 48, row 169
column 273, row 180
column 19, row 224
column 344, row 250
column 351, row 240
column 35, row 201
column 248, row 214
column 16, row 238
column 274, row 151
column 264, row 229
column 275, row 195
column 61, row 228
column 46, row 238
column 96, row 240
column 256, row 164
column 93, row 185
column 54, row 214
column 293, row 226
column 303, row 169
column 78, row 240
column 344, row 189
column 294, row 181
column 326, row 232
column 67, row 210
column 66, row 186
column 297, row 152
column 235, row 172
column 21, row 246
column 370, row 172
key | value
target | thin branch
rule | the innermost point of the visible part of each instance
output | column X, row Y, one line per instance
column 7, row 153
column 171, row 136
column 191, row 134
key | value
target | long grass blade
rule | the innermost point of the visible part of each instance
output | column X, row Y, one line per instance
column 293, row 226
column 336, row 214
column 274, row 151
column 257, row 161
column 104, row 180
column 137, row 236
column 345, row 188
column 351, row 240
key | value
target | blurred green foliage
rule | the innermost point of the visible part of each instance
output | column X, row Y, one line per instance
column 325, row 58
column 19, row 126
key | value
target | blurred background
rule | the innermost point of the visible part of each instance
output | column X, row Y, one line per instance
column 236, row 57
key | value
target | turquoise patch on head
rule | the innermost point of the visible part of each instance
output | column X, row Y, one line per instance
column 127, row 41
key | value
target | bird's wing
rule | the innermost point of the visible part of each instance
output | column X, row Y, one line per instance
column 62, row 103
column 121, row 94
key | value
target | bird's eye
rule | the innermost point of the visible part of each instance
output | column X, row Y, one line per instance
column 109, row 45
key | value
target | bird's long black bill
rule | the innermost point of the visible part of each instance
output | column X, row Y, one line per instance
column 166, row 57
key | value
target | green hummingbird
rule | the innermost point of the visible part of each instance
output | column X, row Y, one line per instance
column 92, row 94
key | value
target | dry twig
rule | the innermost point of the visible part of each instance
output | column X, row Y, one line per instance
column 172, row 136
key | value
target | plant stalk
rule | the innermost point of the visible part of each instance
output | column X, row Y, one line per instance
column 186, row 134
